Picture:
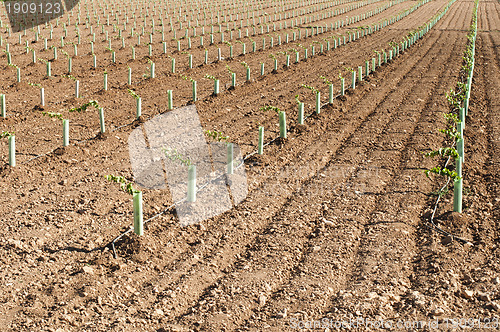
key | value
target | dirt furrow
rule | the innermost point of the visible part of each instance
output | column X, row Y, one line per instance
column 279, row 228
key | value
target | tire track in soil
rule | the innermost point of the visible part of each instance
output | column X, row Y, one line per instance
column 279, row 233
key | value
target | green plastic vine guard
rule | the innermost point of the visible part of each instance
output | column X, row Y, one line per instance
column 206, row 57
column 138, row 216
column 460, row 149
column 65, row 123
column 216, row 87
column 367, row 68
column 129, row 76
column 260, row 147
column 77, row 89
column 101, row 120
column 301, row 113
column 373, row 64
column 230, row 159
column 248, row 74
column 330, row 93
column 360, row 73
column 342, row 86
column 191, row 190
column 233, row 80
column 457, row 195
column 282, row 121
column 152, row 70
column 138, row 107
column 48, row 69
column 12, row 151
column 105, row 81
column 318, row 102
column 170, row 105
column 353, row 80
column 195, row 95
column 42, row 97
column 94, row 61
column 3, row 106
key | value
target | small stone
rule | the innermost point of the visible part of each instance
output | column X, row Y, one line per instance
column 447, row 240
column 493, row 305
column 328, row 222
column 438, row 312
column 88, row 270
column 282, row 314
column 483, row 297
column 15, row 243
column 420, row 304
column 496, row 280
column 468, row 245
column 159, row 312
column 467, row 294
column 262, row 300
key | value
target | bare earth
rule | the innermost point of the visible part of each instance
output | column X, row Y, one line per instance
column 336, row 222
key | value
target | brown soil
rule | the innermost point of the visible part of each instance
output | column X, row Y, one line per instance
column 336, row 222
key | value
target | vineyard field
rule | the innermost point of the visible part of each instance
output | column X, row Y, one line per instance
column 339, row 222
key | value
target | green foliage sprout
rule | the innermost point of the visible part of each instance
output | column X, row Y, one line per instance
column 216, row 135
column 6, row 134
column 124, row 184
column 53, row 115
column 85, row 106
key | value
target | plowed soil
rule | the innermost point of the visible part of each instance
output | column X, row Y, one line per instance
column 335, row 227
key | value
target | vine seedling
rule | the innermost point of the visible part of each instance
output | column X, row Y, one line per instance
column 138, row 102
column 216, row 83
column 12, row 146
column 137, row 199
column 300, row 109
column 318, row 96
column 330, row 89
column 65, row 123
column 282, row 118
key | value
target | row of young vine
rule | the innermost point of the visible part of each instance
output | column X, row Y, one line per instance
column 407, row 42
column 458, row 99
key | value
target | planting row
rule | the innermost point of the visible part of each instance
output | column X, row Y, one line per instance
column 458, row 99
column 341, row 41
column 406, row 43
